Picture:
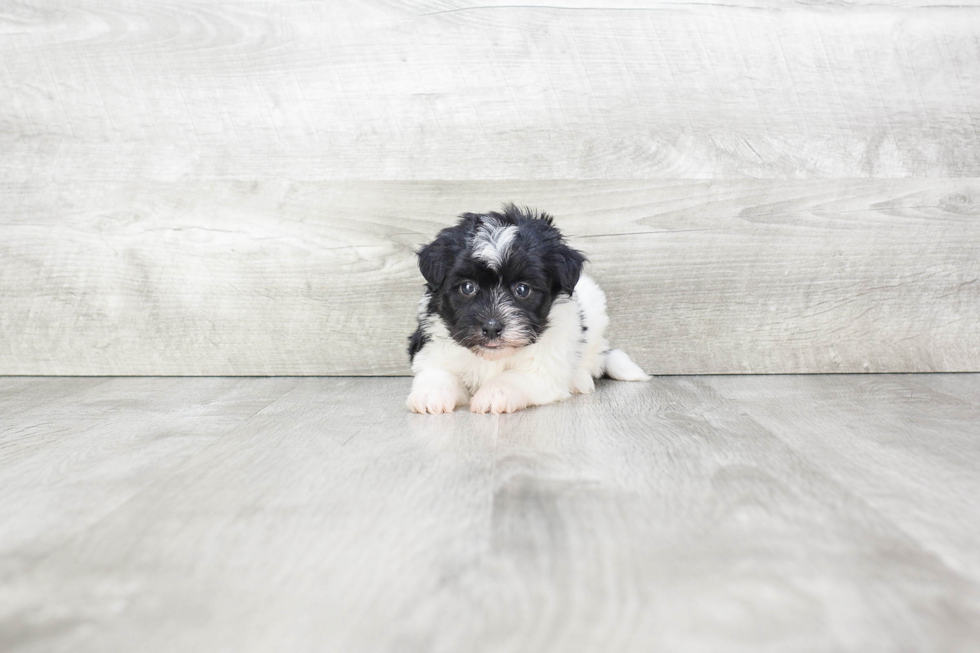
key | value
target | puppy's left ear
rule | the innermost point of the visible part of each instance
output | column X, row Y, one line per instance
column 568, row 268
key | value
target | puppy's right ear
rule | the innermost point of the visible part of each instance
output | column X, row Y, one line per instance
column 438, row 257
column 432, row 262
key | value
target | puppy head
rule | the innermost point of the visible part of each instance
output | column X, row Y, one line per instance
column 493, row 277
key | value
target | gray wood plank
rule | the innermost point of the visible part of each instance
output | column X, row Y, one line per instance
column 431, row 89
column 19, row 393
column 234, row 278
column 654, row 516
column 73, row 458
column 909, row 446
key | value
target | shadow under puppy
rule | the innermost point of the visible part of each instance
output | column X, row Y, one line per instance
column 507, row 319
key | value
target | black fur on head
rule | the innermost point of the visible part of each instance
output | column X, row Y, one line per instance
column 493, row 277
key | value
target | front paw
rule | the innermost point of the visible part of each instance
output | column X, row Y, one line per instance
column 432, row 400
column 497, row 399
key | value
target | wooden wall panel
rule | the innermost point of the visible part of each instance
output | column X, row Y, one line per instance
column 739, row 276
column 237, row 187
column 376, row 89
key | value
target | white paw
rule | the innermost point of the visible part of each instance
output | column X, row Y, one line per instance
column 432, row 400
column 583, row 383
column 497, row 399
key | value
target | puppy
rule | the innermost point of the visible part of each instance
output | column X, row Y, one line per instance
column 507, row 319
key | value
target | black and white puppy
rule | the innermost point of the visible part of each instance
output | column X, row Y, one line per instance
column 508, row 320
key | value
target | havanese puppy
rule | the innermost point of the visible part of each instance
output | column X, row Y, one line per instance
column 507, row 319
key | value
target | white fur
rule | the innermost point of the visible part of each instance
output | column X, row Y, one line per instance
column 558, row 364
column 620, row 367
column 492, row 241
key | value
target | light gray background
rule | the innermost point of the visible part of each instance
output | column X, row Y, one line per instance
column 196, row 188
column 237, row 188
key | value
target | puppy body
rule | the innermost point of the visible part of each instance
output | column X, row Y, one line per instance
column 544, row 346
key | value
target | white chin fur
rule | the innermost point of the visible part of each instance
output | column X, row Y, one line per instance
column 495, row 354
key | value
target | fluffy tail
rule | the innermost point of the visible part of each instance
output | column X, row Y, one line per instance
column 619, row 366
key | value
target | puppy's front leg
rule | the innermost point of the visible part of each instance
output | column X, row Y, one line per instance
column 436, row 391
column 513, row 390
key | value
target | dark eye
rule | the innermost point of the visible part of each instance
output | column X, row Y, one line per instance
column 522, row 290
column 467, row 288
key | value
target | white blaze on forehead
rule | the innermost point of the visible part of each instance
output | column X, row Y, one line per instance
column 492, row 241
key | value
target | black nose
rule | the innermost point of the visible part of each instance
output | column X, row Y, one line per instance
column 491, row 329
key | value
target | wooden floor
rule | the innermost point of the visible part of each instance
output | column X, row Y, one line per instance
column 783, row 513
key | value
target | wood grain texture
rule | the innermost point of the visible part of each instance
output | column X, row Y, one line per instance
column 925, row 432
column 236, row 187
column 434, row 89
column 233, row 278
column 69, row 458
column 684, row 514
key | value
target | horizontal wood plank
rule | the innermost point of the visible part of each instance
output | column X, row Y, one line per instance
column 473, row 90
column 222, row 188
column 234, row 278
